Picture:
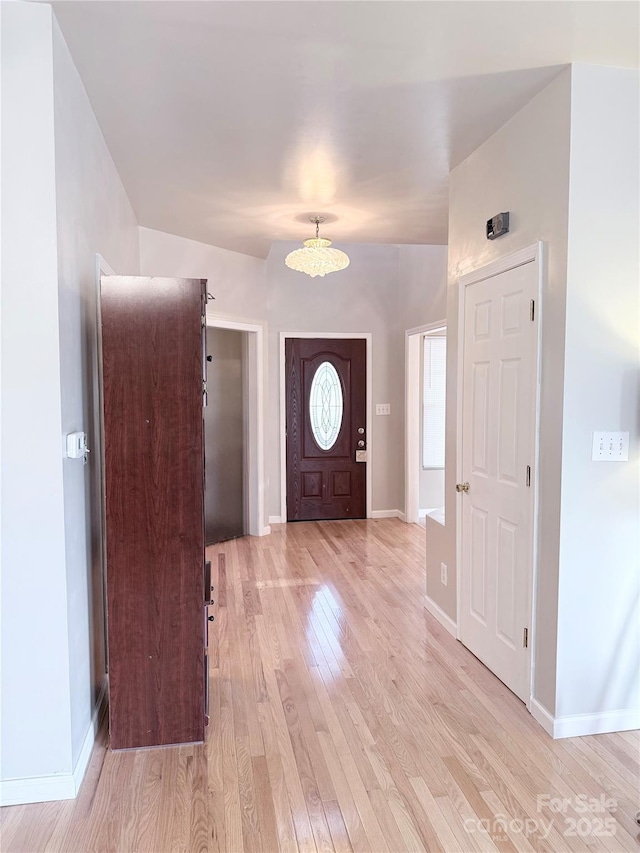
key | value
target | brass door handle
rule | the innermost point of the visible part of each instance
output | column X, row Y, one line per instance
column 462, row 487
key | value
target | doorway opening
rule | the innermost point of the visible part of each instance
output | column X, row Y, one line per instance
column 234, row 430
column 225, row 507
column 425, row 357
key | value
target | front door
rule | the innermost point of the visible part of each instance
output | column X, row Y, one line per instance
column 497, row 495
column 326, row 428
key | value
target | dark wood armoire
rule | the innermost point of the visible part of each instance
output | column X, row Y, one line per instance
column 153, row 370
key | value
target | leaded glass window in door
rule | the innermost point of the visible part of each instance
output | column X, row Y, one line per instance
column 326, row 405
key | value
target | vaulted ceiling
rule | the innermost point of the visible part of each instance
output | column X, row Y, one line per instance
column 231, row 122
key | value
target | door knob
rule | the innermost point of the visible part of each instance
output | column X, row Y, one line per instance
column 361, row 443
column 462, row 487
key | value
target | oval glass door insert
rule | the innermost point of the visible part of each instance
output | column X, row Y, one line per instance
column 325, row 405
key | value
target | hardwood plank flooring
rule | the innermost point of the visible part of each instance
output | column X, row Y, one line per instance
column 344, row 718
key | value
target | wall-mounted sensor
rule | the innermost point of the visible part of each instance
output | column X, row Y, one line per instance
column 497, row 225
column 77, row 446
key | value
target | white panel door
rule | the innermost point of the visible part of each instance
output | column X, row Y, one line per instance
column 498, row 445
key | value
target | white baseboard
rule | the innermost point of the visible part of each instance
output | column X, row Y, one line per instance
column 388, row 513
column 542, row 716
column 266, row 530
column 578, row 725
column 37, row 789
column 90, row 738
column 376, row 513
column 438, row 613
column 58, row 786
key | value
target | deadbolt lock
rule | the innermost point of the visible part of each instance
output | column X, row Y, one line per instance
column 361, row 430
column 462, row 487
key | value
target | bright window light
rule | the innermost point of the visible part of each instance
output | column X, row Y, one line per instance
column 434, row 365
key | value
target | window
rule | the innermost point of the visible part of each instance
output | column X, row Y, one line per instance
column 325, row 405
column 434, row 363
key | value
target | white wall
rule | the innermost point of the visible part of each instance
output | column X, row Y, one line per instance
column 62, row 202
column 93, row 216
column 422, row 285
column 523, row 168
column 35, row 663
column 237, row 281
column 598, row 668
column 431, row 487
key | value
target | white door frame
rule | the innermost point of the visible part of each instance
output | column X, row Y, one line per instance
column 256, row 478
column 368, row 337
column 412, row 419
column 102, row 268
column 530, row 254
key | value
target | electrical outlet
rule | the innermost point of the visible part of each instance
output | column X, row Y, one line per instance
column 383, row 408
column 610, row 447
column 443, row 574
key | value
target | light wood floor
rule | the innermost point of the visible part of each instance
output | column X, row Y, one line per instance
column 343, row 717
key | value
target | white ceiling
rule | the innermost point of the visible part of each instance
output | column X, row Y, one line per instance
column 230, row 121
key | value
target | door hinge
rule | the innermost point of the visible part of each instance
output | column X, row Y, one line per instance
column 525, row 639
column 532, row 310
column 528, row 481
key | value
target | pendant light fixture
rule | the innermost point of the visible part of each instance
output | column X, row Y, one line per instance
column 317, row 258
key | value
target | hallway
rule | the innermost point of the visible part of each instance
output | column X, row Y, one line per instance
column 343, row 717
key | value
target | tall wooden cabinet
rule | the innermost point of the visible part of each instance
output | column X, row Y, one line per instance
column 153, row 370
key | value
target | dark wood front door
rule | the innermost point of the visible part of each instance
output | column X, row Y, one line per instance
column 326, row 426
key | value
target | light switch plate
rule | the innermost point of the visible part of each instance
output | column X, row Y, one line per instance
column 610, row 447
column 383, row 408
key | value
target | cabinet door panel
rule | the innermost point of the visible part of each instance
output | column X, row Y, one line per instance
column 152, row 375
